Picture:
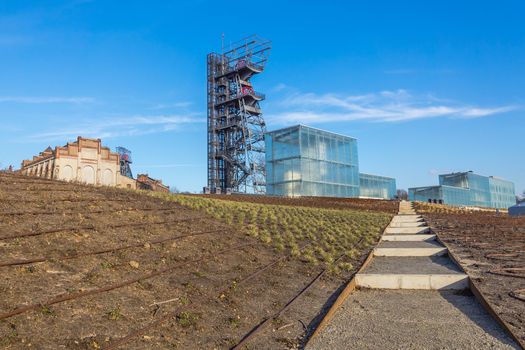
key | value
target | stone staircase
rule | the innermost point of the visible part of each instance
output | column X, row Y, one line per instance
column 411, row 296
column 409, row 257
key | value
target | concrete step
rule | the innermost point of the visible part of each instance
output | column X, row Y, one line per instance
column 400, row 281
column 408, row 215
column 407, row 218
column 407, row 230
column 408, row 224
column 409, row 248
column 437, row 272
column 419, row 237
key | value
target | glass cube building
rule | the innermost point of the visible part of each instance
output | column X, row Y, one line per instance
column 304, row 161
column 375, row 186
column 467, row 189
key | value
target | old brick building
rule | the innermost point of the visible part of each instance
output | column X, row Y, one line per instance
column 84, row 160
column 144, row 182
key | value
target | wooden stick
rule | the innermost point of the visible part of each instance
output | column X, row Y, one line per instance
column 164, row 302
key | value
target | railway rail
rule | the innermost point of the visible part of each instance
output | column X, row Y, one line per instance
column 93, row 227
column 72, row 296
column 33, row 260
column 101, row 211
column 100, row 291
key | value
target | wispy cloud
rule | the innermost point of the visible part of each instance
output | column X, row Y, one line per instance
column 384, row 106
column 180, row 104
column 116, row 127
column 279, row 87
column 45, row 100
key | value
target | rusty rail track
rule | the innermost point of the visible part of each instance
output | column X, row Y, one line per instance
column 72, row 199
column 19, row 213
column 267, row 321
column 518, row 294
column 92, row 227
column 220, row 290
column 72, row 296
column 516, row 272
column 103, row 251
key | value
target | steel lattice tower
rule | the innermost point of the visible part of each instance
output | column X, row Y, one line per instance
column 235, row 124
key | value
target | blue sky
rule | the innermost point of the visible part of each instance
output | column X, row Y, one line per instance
column 426, row 86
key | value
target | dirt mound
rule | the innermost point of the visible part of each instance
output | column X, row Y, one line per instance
column 102, row 268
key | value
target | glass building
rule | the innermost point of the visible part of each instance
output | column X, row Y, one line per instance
column 375, row 186
column 304, row 161
column 467, row 189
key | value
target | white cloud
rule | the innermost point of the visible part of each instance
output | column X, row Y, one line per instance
column 384, row 106
column 482, row 112
column 115, row 127
column 44, row 100
column 181, row 104
column 279, row 87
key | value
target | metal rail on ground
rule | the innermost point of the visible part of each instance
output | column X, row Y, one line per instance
column 102, row 251
column 71, row 296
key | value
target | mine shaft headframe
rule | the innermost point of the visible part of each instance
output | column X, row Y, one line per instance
column 234, row 117
column 253, row 49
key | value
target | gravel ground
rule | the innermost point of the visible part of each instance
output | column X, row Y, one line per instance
column 378, row 319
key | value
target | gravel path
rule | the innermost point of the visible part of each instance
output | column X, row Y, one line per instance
column 411, row 319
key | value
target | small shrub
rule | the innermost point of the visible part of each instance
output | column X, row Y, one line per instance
column 114, row 314
column 46, row 310
column 106, row 265
column 187, row 319
column 235, row 322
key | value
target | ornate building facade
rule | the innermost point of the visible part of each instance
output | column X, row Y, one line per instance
column 84, row 160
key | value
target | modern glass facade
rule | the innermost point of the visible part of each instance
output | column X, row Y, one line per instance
column 477, row 184
column 467, row 189
column 304, row 161
column 441, row 194
column 502, row 193
column 375, row 186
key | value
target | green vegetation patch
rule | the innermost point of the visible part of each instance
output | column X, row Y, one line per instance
column 187, row 319
column 311, row 234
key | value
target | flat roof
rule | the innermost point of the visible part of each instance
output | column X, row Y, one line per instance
column 382, row 176
column 309, row 127
column 436, row 186
column 471, row 172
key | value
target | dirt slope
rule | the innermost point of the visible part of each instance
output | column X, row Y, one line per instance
column 99, row 268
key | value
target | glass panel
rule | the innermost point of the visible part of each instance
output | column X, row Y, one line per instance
column 317, row 162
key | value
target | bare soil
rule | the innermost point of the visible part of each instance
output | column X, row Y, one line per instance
column 119, row 269
column 491, row 247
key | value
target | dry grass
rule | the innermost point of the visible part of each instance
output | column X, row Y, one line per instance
column 313, row 235
column 423, row 207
